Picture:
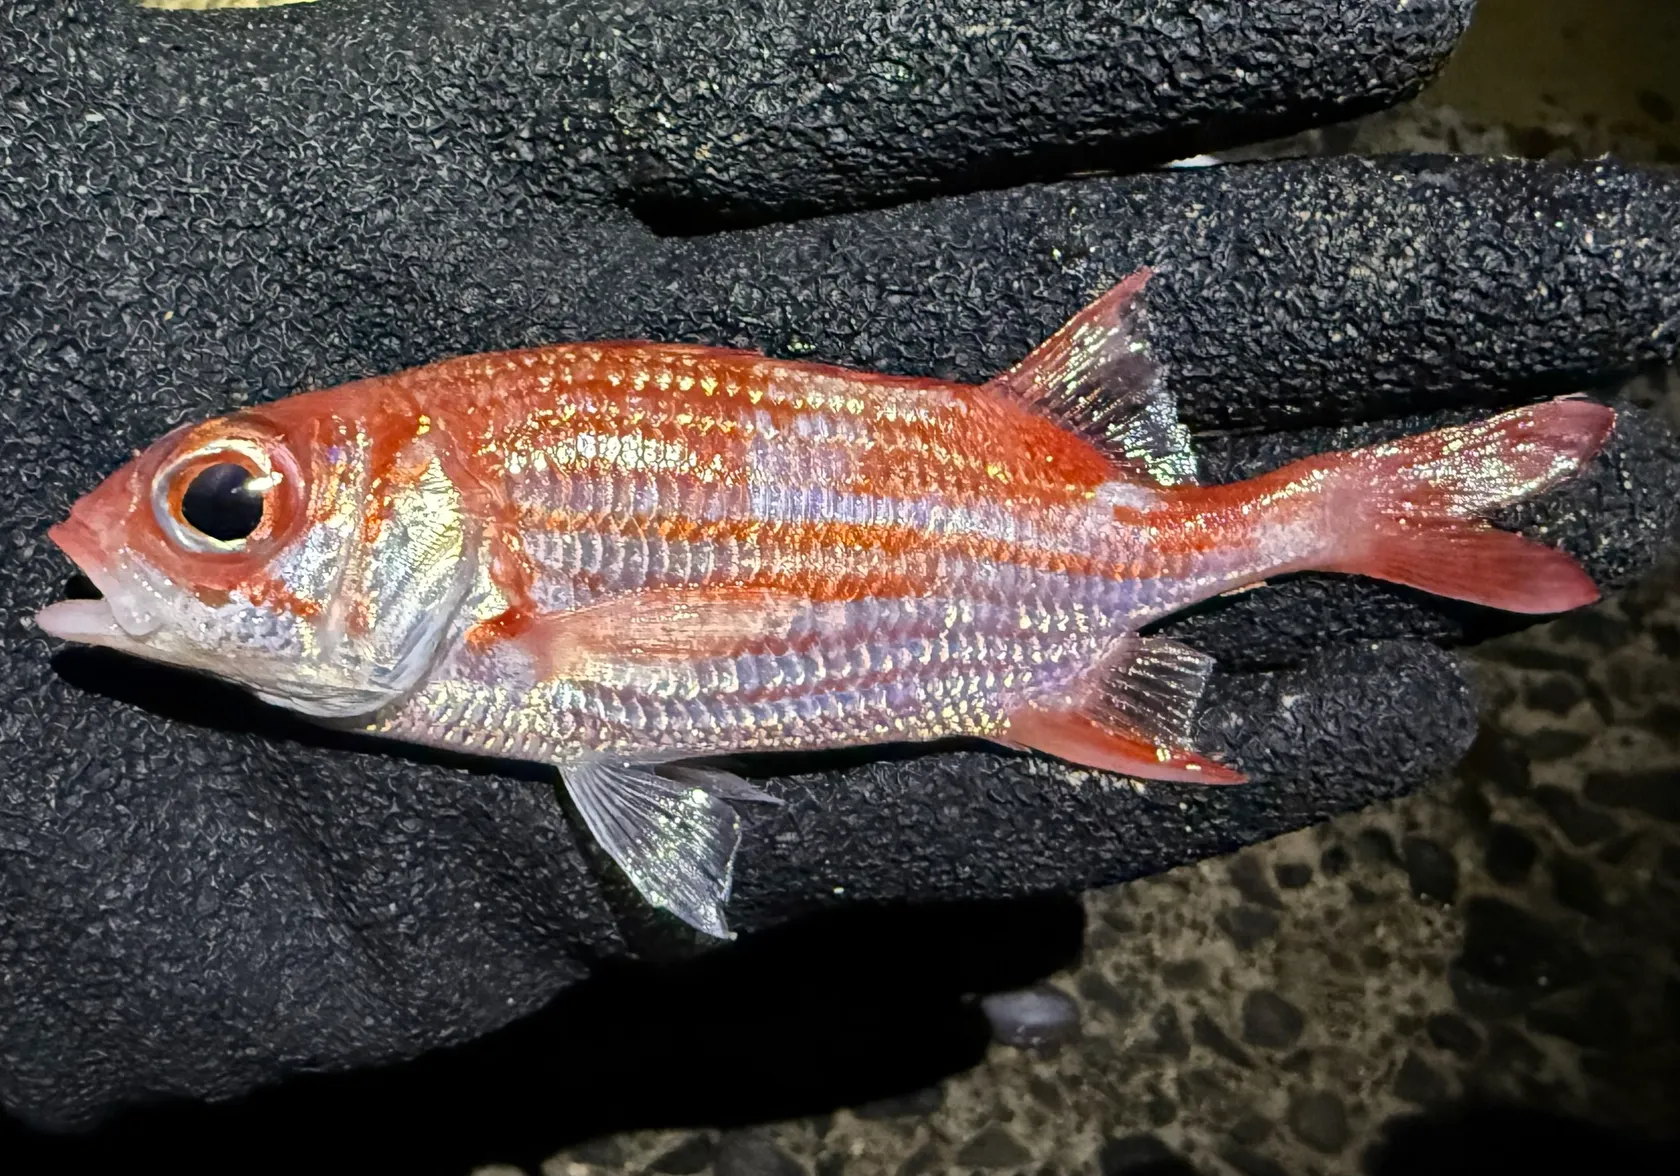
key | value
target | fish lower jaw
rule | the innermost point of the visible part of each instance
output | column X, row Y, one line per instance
column 86, row 622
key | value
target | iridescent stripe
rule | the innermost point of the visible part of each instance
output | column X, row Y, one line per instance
column 975, row 552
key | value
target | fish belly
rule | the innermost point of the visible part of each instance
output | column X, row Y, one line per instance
column 887, row 669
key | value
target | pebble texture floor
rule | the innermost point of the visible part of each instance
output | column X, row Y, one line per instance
column 1347, row 997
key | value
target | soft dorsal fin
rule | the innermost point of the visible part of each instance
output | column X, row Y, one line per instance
column 1096, row 376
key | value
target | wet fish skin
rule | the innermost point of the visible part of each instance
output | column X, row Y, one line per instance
column 615, row 557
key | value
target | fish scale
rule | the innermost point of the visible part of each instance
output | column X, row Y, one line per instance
column 608, row 541
column 984, row 663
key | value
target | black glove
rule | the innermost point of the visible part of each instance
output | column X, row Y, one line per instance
column 206, row 210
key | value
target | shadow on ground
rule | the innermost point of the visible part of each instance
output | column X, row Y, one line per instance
column 1480, row 1139
column 835, row 1011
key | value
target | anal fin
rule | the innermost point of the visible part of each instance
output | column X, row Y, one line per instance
column 1133, row 713
column 1082, row 740
column 674, row 838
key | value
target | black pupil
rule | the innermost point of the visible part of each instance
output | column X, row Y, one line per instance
column 219, row 502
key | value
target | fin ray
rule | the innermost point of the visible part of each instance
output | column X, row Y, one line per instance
column 1153, row 685
column 721, row 784
column 1082, row 740
column 1479, row 564
column 1415, row 506
column 1134, row 712
column 1097, row 377
column 676, row 842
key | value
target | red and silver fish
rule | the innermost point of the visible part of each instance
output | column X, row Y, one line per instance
column 614, row 557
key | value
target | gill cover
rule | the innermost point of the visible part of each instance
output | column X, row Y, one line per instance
column 406, row 559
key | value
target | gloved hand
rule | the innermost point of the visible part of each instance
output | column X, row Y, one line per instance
column 206, row 210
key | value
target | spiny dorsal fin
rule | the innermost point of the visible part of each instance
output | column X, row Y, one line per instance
column 1096, row 376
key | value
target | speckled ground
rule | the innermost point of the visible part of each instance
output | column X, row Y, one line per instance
column 1510, row 935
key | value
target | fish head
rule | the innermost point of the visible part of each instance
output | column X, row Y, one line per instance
column 315, row 558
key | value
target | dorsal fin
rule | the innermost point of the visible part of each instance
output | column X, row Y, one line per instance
column 1096, row 376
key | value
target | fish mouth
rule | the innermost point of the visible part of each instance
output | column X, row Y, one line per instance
column 92, row 622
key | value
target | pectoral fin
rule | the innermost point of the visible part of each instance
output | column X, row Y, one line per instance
column 665, row 624
column 676, row 839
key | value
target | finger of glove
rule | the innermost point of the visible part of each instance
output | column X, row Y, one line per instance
column 696, row 109
column 1618, row 518
column 828, row 106
column 1355, row 726
column 1288, row 294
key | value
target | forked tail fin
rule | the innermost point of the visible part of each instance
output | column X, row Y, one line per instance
column 1414, row 507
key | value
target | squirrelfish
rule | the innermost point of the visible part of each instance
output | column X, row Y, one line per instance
column 617, row 557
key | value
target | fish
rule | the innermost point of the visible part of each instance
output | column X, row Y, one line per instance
column 624, row 559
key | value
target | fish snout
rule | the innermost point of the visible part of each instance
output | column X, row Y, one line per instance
column 120, row 613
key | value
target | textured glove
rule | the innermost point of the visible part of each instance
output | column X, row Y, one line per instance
column 206, row 210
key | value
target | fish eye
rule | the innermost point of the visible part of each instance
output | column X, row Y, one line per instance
column 213, row 499
column 223, row 502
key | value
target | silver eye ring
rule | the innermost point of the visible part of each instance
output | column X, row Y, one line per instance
column 248, row 493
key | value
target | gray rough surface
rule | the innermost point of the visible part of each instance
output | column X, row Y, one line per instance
column 694, row 109
column 1290, row 294
column 1387, row 964
column 1477, row 976
column 199, row 896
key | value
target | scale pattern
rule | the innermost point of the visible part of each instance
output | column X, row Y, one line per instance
column 957, row 553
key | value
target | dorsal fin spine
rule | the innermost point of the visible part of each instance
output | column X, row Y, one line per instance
column 1097, row 377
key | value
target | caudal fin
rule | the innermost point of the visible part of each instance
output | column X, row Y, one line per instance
column 1417, row 506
